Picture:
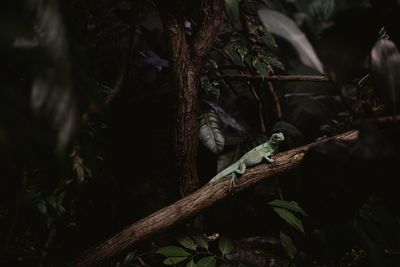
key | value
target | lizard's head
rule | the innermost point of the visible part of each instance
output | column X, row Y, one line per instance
column 277, row 138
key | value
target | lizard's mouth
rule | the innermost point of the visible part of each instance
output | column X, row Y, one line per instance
column 277, row 138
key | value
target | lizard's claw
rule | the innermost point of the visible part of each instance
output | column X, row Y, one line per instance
column 273, row 163
column 270, row 161
column 233, row 182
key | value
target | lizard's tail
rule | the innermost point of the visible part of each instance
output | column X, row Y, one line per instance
column 215, row 178
column 219, row 176
column 225, row 172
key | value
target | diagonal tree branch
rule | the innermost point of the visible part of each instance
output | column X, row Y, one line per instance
column 194, row 203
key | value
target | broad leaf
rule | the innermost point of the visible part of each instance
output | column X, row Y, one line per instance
column 201, row 241
column 228, row 119
column 207, row 262
column 187, row 242
column 225, row 246
column 322, row 10
column 289, row 205
column 174, row 260
column 290, row 218
column 173, row 251
column 286, row 28
column 211, row 132
column 288, row 245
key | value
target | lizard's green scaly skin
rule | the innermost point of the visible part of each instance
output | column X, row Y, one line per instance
column 252, row 158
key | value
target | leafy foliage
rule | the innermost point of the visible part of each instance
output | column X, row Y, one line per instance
column 86, row 130
column 232, row 8
column 211, row 132
column 195, row 251
column 225, row 246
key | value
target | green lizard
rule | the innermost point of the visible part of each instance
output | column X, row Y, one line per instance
column 252, row 158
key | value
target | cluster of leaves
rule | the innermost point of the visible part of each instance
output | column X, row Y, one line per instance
column 248, row 48
column 194, row 251
column 288, row 211
column 49, row 207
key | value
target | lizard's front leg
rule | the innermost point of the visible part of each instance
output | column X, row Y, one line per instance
column 269, row 160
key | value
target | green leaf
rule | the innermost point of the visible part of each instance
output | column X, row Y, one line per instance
column 207, row 262
column 210, row 87
column 42, row 207
column 212, row 64
column 211, row 132
column 201, row 241
column 255, row 61
column 174, row 260
column 288, row 245
column 232, row 8
column 274, row 62
column 289, row 205
column 242, row 51
column 60, row 209
column 225, row 246
column 173, row 251
column 322, row 10
column 269, row 39
column 187, row 242
column 290, row 218
column 129, row 257
column 262, row 69
column 52, row 202
column 191, row 264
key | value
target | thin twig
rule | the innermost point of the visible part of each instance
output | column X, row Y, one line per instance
column 260, row 109
column 282, row 78
column 380, row 120
column 275, row 101
column 228, row 57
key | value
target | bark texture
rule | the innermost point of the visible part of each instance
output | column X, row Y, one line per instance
column 187, row 60
column 194, row 203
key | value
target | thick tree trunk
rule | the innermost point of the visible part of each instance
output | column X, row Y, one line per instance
column 186, row 134
column 185, row 80
column 190, row 205
column 187, row 61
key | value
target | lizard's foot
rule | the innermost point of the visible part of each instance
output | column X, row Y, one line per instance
column 273, row 163
column 270, row 161
column 233, row 182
